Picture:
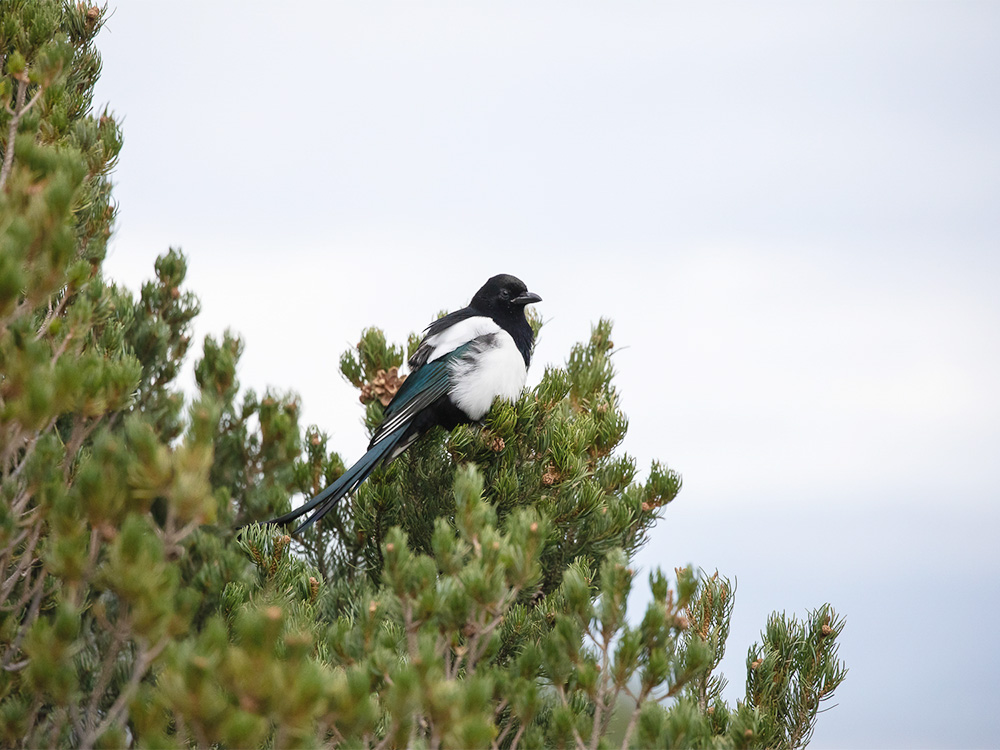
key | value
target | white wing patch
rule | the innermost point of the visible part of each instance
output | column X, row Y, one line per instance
column 454, row 336
column 493, row 369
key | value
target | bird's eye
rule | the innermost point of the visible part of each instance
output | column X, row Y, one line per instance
column 504, row 294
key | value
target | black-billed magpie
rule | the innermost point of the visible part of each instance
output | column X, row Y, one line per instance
column 466, row 359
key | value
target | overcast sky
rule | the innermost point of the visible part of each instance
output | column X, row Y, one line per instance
column 791, row 211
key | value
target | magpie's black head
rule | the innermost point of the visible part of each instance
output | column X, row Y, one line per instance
column 503, row 296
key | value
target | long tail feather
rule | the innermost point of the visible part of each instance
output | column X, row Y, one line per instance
column 349, row 481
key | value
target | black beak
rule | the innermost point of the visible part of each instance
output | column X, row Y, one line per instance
column 526, row 299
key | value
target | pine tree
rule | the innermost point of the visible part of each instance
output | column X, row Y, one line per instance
column 471, row 594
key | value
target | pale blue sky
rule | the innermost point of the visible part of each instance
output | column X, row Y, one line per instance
column 789, row 210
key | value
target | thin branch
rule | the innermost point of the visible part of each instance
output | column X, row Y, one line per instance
column 118, row 708
column 19, row 567
column 449, row 657
column 63, row 345
column 634, row 718
column 29, row 620
column 107, row 667
column 602, row 691
column 24, row 565
column 19, row 505
column 279, row 736
column 517, row 738
column 8, row 157
column 499, row 709
column 10, row 440
column 80, row 432
column 19, row 109
column 57, row 727
column 507, row 727
column 411, row 630
column 23, row 307
column 53, row 313
column 36, row 706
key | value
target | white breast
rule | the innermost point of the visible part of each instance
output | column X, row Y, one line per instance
column 493, row 370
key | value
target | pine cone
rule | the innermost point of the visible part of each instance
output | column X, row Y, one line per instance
column 494, row 442
column 382, row 387
column 551, row 476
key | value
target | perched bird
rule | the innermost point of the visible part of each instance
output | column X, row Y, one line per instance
column 466, row 359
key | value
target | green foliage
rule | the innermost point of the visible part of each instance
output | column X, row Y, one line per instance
column 791, row 672
column 471, row 594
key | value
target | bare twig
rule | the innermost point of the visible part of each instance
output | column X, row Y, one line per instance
column 57, row 727
column 18, row 506
column 26, row 624
column 81, row 431
column 19, row 109
column 634, row 718
column 602, row 700
column 411, row 630
column 507, row 726
column 517, row 738
column 118, row 637
column 63, row 345
column 22, row 568
column 52, row 314
column 36, row 706
column 143, row 661
column 8, row 157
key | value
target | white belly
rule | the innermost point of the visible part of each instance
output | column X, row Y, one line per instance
column 496, row 372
